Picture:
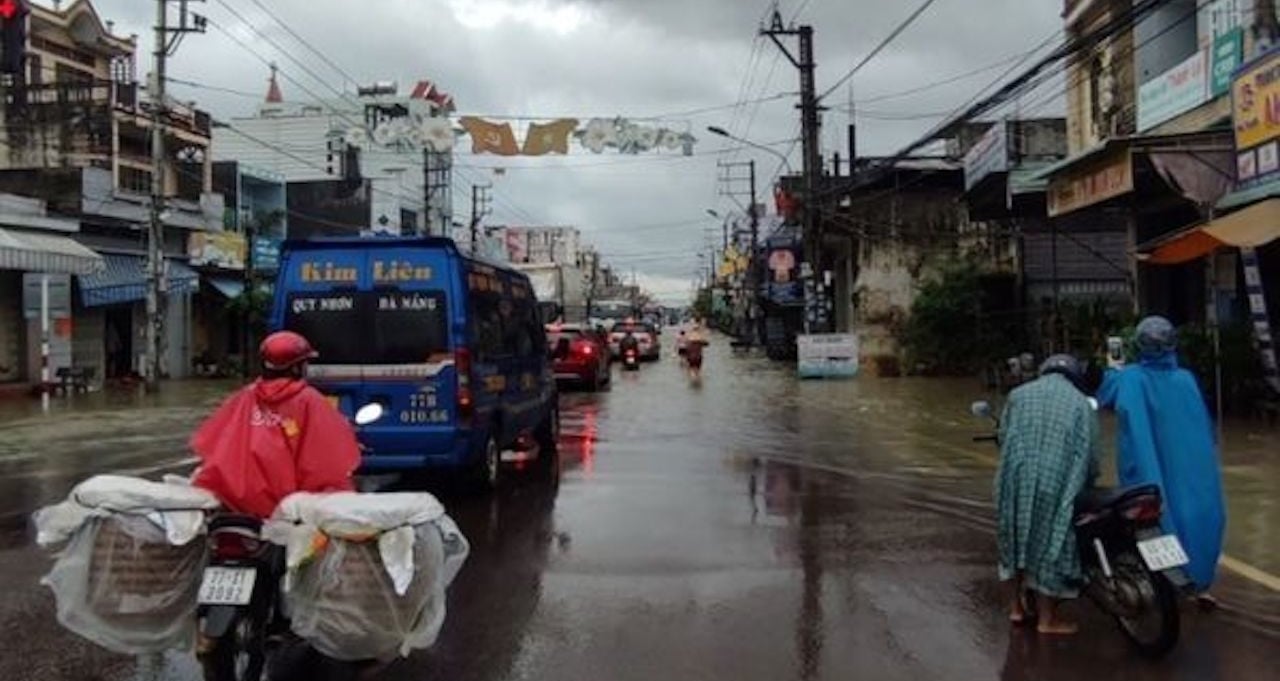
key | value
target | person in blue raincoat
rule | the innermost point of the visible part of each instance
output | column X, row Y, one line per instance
column 1166, row 437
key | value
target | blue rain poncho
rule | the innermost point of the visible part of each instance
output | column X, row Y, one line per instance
column 1166, row 438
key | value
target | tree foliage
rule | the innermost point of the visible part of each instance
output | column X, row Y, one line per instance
column 950, row 331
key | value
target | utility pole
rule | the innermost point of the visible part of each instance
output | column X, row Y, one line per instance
column 426, row 192
column 752, row 284
column 480, row 207
column 810, row 128
column 166, row 43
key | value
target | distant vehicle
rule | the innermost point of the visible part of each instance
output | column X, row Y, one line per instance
column 645, row 333
column 608, row 312
column 579, row 355
column 561, row 285
column 450, row 345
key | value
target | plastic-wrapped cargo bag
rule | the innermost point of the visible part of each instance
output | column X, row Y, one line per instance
column 128, row 576
column 367, row 572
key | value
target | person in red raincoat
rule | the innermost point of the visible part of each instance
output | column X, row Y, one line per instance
column 276, row 436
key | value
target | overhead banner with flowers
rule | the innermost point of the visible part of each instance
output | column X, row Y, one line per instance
column 439, row 134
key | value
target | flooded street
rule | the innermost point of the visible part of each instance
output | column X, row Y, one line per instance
column 752, row 527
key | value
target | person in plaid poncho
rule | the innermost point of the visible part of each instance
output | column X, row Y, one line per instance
column 1049, row 445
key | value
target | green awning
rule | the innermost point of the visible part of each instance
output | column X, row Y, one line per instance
column 1245, row 197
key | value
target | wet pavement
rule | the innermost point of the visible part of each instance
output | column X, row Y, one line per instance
column 753, row 527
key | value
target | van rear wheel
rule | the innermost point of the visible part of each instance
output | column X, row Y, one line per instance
column 547, row 465
column 486, row 473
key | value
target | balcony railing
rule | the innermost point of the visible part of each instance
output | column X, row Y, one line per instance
column 125, row 97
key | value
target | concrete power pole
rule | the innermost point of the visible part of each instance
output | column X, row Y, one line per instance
column 810, row 126
column 480, row 201
column 752, row 282
column 166, row 42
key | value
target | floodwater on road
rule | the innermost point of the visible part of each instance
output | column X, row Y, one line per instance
column 750, row 527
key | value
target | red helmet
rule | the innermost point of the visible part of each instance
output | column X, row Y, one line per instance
column 285, row 349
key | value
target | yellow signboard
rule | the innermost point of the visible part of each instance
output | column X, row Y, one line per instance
column 226, row 250
column 1093, row 183
column 1255, row 98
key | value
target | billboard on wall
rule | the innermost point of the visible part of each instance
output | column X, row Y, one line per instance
column 1181, row 88
column 1255, row 104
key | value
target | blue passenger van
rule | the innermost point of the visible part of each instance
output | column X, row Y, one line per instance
column 450, row 345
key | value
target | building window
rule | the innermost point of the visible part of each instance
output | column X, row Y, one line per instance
column 134, row 180
column 36, row 69
column 1096, row 75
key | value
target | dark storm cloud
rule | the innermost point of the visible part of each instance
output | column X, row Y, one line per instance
column 547, row 58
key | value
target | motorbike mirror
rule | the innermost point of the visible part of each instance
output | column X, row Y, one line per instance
column 369, row 413
column 981, row 409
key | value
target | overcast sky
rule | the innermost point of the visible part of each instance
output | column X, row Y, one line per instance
column 637, row 58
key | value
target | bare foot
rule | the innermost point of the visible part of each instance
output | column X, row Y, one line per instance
column 1058, row 628
column 1017, row 614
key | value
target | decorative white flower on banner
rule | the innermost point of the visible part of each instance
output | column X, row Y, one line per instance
column 598, row 134
column 646, row 137
column 356, row 137
column 437, row 134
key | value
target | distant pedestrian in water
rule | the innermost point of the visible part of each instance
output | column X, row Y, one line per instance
column 1166, row 438
column 1048, row 455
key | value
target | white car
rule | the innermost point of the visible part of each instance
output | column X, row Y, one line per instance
column 645, row 334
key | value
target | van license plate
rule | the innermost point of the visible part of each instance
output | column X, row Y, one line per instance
column 227, row 586
column 1162, row 553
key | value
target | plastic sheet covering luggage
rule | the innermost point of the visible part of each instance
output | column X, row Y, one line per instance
column 128, row 578
column 367, row 572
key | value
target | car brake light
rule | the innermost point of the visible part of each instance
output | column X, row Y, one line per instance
column 233, row 544
column 1142, row 510
column 584, row 349
column 466, row 399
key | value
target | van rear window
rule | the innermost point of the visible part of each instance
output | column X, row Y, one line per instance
column 371, row 327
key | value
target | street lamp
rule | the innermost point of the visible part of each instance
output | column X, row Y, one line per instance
column 717, row 130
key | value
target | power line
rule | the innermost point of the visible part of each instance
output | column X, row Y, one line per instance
column 935, row 84
column 1014, row 88
column 323, row 57
column 214, row 88
column 1042, row 102
column 268, row 40
column 878, row 48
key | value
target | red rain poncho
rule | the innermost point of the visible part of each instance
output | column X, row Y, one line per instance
column 271, row 439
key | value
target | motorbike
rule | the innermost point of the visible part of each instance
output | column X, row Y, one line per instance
column 244, row 632
column 1133, row 569
column 631, row 359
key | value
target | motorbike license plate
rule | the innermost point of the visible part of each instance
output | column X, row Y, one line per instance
column 1162, row 553
column 227, row 586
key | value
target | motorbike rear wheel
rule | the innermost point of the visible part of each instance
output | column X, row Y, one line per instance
column 240, row 655
column 1146, row 606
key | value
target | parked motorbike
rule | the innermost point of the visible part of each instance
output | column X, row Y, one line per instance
column 1133, row 570
column 244, row 633
column 631, row 359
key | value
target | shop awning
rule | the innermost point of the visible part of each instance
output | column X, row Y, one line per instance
column 227, row 286
column 1254, row 226
column 124, row 280
column 40, row 252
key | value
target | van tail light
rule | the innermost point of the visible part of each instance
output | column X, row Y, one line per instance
column 466, row 398
column 1142, row 510
column 234, row 544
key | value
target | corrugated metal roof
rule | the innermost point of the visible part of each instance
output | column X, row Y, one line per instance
column 124, row 280
column 39, row 252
